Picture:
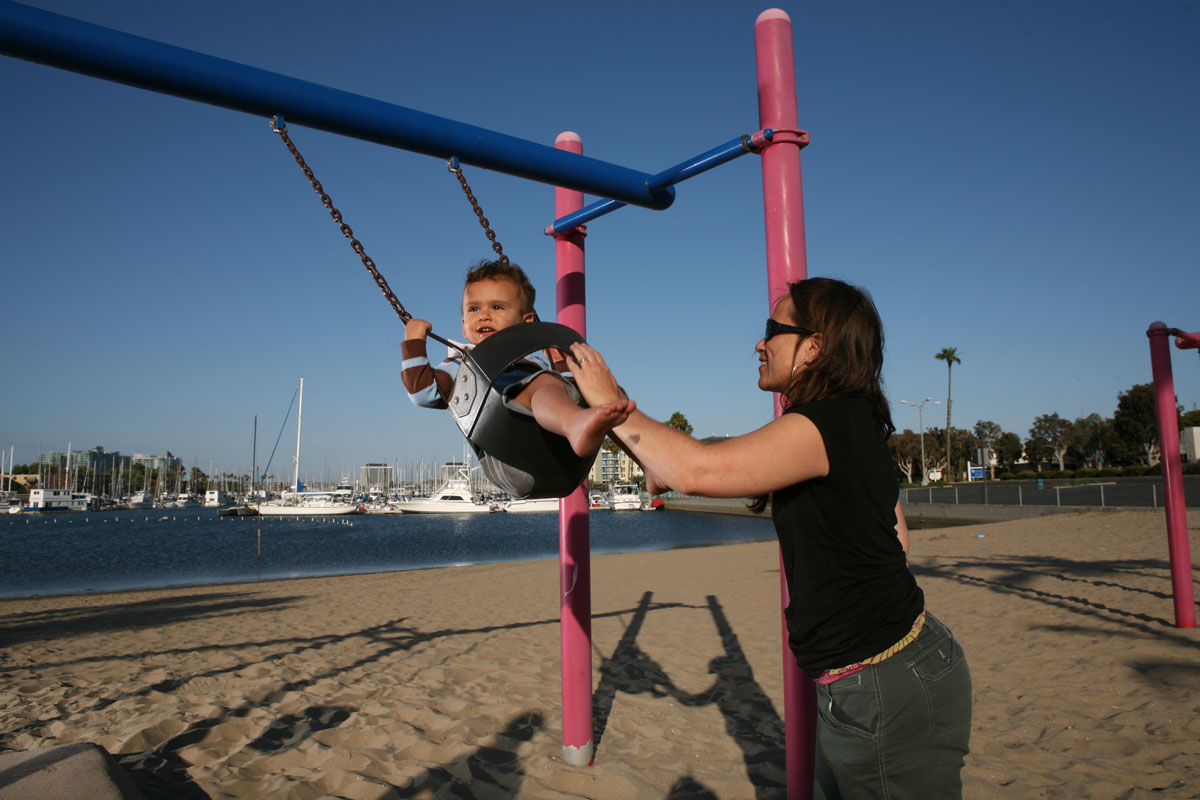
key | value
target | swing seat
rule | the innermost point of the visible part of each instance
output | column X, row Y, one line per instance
column 517, row 454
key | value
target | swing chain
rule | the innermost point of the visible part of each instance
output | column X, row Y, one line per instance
column 279, row 127
column 452, row 165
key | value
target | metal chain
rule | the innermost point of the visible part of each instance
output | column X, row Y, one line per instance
column 452, row 165
column 279, row 127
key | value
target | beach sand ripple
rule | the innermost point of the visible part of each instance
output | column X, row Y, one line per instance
column 445, row 683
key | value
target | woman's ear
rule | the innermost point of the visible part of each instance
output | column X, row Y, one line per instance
column 814, row 342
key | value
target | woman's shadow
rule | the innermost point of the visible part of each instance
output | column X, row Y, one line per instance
column 750, row 717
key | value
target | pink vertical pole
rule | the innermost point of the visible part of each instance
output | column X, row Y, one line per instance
column 1172, row 474
column 575, row 584
column 783, row 207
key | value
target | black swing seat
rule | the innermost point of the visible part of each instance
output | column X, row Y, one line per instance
column 516, row 453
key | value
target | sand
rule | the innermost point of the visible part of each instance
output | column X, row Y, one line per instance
column 444, row 683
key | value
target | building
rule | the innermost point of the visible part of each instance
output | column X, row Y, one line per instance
column 376, row 477
column 94, row 460
column 164, row 460
column 614, row 466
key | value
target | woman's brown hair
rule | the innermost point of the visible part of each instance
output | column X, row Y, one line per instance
column 850, row 359
column 849, row 362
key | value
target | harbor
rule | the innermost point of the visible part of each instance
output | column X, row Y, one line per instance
column 158, row 548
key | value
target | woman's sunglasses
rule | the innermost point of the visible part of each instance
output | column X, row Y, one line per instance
column 775, row 328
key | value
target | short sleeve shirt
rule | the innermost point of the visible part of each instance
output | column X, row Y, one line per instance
column 852, row 594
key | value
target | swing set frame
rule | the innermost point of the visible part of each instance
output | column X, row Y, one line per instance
column 65, row 43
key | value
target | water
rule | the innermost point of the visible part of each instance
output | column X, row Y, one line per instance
column 119, row 550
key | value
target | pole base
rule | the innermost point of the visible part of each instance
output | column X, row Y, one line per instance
column 578, row 756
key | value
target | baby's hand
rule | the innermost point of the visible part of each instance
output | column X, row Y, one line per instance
column 417, row 329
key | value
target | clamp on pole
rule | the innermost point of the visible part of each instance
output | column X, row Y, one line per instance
column 757, row 142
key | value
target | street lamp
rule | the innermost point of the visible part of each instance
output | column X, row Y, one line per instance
column 920, row 407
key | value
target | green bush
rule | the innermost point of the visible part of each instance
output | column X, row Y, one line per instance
column 1087, row 472
column 1135, row 470
column 1112, row 472
column 1026, row 475
column 1192, row 468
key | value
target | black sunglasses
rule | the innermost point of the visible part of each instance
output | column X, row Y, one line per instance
column 775, row 328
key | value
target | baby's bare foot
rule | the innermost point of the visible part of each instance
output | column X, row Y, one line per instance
column 593, row 424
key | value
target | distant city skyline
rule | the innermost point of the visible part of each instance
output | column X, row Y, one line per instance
column 1016, row 181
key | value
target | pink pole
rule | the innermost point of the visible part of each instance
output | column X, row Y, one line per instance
column 575, row 584
column 1172, row 474
column 783, row 207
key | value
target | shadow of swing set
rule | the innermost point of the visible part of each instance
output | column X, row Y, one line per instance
column 548, row 468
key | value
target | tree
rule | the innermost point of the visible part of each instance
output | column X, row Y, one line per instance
column 1037, row 450
column 1009, row 449
column 1190, row 420
column 1056, row 432
column 950, row 356
column 679, row 422
column 1087, row 437
column 1136, row 422
column 988, row 433
column 906, row 452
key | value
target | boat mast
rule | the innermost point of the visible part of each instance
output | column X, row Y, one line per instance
column 299, row 413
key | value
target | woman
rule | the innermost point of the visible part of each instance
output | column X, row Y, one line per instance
column 893, row 687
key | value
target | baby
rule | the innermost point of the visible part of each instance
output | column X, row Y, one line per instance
column 496, row 296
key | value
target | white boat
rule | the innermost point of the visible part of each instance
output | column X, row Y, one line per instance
column 299, row 503
column 543, row 505
column 52, row 500
column 217, row 498
column 141, row 500
column 625, row 497
column 185, row 500
column 10, row 501
column 454, row 497
column 598, row 500
column 306, row 504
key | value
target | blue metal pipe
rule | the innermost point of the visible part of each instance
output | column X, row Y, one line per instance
column 46, row 38
column 667, row 178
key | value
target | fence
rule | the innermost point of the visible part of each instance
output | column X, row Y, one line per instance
column 1112, row 494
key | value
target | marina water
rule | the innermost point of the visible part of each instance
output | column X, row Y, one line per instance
column 121, row 550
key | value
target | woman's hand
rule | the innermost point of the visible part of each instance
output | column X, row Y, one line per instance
column 595, row 380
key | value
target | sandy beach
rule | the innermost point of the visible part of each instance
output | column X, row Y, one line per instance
column 445, row 683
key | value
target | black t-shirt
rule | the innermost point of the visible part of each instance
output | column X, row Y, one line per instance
column 852, row 595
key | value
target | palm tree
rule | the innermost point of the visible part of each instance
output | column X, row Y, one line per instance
column 950, row 356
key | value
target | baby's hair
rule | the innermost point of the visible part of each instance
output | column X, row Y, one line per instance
column 500, row 271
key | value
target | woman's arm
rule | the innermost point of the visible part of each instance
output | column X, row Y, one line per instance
column 901, row 527
column 783, row 452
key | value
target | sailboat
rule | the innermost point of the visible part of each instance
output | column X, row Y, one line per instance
column 298, row 502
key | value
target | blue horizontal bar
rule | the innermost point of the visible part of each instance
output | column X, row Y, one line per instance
column 46, row 38
column 667, row 178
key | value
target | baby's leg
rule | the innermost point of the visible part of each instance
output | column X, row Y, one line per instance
column 554, row 410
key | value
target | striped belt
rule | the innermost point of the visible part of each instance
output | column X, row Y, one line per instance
column 831, row 675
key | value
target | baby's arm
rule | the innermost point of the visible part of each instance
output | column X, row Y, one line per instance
column 427, row 386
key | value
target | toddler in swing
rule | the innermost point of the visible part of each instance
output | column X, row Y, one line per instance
column 496, row 296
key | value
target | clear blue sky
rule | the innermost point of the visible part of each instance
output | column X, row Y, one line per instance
column 1017, row 180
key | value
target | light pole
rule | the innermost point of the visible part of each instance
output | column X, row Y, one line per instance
column 920, row 407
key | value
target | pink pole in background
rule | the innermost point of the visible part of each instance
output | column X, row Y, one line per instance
column 783, row 207
column 1172, row 474
column 575, row 585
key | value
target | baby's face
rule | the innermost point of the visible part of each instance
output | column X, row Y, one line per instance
column 489, row 306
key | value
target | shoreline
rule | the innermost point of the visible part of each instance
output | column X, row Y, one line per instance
column 446, row 680
column 366, row 573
